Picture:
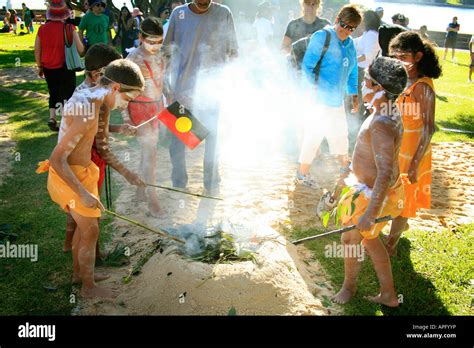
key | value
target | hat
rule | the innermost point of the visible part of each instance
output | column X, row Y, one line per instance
column 57, row 11
column 94, row 2
column 379, row 9
column 136, row 12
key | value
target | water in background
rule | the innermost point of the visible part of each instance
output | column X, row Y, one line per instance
column 436, row 18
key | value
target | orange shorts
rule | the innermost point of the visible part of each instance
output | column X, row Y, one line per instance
column 66, row 198
column 354, row 203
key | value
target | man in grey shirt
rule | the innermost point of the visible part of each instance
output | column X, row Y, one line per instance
column 201, row 37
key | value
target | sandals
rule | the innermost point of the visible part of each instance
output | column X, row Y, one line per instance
column 53, row 125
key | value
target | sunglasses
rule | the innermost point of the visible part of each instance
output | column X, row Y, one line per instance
column 400, row 56
column 346, row 26
column 101, row 4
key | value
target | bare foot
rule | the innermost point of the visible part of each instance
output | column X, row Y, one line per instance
column 387, row 300
column 98, row 277
column 343, row 296
column 141, row 194
column 154, row 207
column 97, row 291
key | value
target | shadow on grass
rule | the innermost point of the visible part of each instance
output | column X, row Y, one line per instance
column 42, row 287
column 11, row 58
column 39, row 86
column 460, row 122
column 417, row 292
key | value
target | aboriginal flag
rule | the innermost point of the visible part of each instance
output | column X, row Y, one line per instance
column 183, row 124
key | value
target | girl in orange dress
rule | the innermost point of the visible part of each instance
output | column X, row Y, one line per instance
column 417, row 106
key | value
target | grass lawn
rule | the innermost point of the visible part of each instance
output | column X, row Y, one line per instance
column 432, row 273
column 16, row 50
column 455, row 99
column 26, row 205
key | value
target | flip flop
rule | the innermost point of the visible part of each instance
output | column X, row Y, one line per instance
column 53, row 125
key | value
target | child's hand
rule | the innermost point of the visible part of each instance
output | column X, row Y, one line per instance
column 134, row 179
column 127, row 129
column 91, row 201
column 365, row 223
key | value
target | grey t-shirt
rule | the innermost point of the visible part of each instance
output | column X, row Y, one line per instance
column 196, row 43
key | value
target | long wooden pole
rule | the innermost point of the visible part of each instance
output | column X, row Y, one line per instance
column 158, row 231
column 341, row 230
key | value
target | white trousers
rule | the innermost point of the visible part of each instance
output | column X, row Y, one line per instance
column 327, row 122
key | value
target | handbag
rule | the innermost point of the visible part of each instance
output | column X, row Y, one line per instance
column 73, row 61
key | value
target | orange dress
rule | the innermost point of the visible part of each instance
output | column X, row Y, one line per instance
column 417, row 195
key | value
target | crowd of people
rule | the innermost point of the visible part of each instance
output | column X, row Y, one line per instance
column 386, row 85
column 18, row 25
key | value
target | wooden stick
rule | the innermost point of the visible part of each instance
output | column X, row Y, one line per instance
column 341, row 230
column 146, row 122
column 160, row 232
column 184, row 192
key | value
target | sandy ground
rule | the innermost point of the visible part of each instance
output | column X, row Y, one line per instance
column 6, row 148
column 13, row 76
column 286, row 280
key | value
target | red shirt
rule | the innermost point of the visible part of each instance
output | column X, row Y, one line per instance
column 51, row 37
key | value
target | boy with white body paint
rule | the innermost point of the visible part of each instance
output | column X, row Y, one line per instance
column 96, row 59
column 377, row 189
column 142, row 112
column 73, row 177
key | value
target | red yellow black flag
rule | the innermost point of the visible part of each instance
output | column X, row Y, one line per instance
column 183, row 124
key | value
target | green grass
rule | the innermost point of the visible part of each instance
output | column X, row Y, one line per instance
column 27, row 206
column 432, row 272
column 455, row 97
column 16, row 50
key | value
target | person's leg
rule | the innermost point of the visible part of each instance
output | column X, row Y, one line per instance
column 53, row 81
column 148, row 138
column 399, row 225
column 445, row 51
column 338, row 136
column 453, row 52
column 471, row 70
column 352, row 266
column 179, row 175
column 76, row 275
column 68, row 84
column 312, row 139
column 85, row 244
column 210, row 119
column 211, row 163
column 383, row 268
column 70, row 229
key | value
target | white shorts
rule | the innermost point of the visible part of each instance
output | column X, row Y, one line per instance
column 327, row 122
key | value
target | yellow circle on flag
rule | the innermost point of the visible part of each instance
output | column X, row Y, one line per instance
column 183, row 124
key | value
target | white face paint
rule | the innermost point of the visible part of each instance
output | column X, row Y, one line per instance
column 119, row 103
column 152, row 49
column 366, row 90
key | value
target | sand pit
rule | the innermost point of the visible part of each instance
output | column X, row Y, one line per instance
column 172, row 285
